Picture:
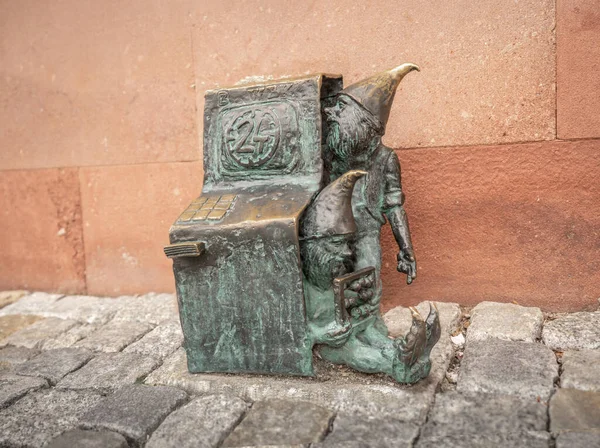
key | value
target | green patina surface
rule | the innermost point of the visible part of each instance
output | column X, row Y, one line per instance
column 235, row 306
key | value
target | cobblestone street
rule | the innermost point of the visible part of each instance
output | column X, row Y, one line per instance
column 80, row 371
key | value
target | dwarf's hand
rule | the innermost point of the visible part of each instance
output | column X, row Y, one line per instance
column 364, row 287
column 407, row 264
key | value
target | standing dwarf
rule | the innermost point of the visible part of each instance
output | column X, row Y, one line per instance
column 356, row 123
column 342, row 324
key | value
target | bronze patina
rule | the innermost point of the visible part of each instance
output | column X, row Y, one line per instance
column 280, row 255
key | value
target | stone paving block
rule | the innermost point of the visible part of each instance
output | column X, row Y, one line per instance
column 277, row 422
column 10, row 297
column 532, row 439
column 134, row 411
column 494, row 366
column 109, row 371
column 505, row 321
column 13, row 387
column 13, row 323
column 79, row 438
column 575, row 410
column 114, row 336
column 354, row 393
column 34, row 303
column 159, row 343
column 574, row 331
column 386, row 432
column 205, row 421
column 36, row 334
column 399, row 319
column 485, row 413
column 581, row 370
column 53, row 365
column 12, row 356
column 37, row 418
column 70, row 337
column 578, row 440
column 152, row 308
column 87, row 309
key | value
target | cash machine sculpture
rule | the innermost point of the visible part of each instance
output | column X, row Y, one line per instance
column 279, row 255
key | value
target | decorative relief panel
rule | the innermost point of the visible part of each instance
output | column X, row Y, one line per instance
column 259, row 137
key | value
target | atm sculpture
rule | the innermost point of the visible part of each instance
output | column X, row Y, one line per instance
column 280, row 255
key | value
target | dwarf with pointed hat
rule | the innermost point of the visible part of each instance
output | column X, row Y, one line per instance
column 356, row 123
column 343, row 326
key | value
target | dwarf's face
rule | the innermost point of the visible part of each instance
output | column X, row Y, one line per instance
column 324, row 259
column 349, row 127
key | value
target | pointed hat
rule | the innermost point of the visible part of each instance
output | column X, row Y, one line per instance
column 376, row 93
column 330, row 213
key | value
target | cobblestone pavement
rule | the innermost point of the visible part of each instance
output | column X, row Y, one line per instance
column 78, row 371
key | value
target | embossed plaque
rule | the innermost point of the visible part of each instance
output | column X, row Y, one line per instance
column 266, row 131
column 261, row 136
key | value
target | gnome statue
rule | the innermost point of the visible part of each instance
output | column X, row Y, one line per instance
column 342, row 307
column 355, row 124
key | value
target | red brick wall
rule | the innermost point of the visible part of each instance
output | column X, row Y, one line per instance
column 499, row 135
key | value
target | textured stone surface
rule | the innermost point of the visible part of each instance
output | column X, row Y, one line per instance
column 205, row 421
column 578, row 53
column 352, row 393
column 152, row 308
column 36, row 419
column 13, row 387
column 119, row 259
column 531, row 439
column 506, row 367
column 34, row 335
column 275, row 422
column 159, row 343
column 79, row 438
column 95, row 100
column 531, row 206
column 578, row 439
column 114, row 336
column 489, row 104
column 399, row 319
column 14, row 323
column 573, row 332
column 88, row 309
column 70, row 337
column 134, row 411
column 575, row 410
column 10, row 297
column 12, row 356
column 505, row 321
column 455, row 413
column 53, row 365
column 580, row 370
column 109, row 371
column 34, row 303
column 351, row 430
column 40, row 231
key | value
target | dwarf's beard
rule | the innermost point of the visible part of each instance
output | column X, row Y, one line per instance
column 339, row 141
column 350, row 138
column 320, row 265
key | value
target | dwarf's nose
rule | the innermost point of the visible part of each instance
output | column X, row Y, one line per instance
column 330, row 112
column 345, row 251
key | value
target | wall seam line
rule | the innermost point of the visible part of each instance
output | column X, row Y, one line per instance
column 85, row 266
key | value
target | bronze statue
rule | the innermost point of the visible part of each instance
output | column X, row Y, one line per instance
column 280, row 253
